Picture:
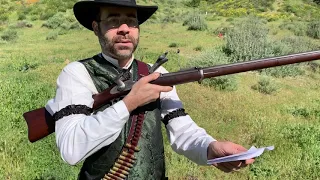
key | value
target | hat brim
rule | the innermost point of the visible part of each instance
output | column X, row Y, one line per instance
column 87, row 11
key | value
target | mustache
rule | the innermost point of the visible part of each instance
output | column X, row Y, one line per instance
column 127, row 37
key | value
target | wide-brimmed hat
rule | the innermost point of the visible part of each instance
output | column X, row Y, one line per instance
column 86, row 11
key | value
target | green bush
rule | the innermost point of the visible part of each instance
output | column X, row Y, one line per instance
column 173, row 44
column 4, row 18
column 305, row 112
column 229, row 19
column 9, row 35
column 34, row 18
column 285, row 46
column 302, row 10
column 210, row 58
column 223, row 83
column 56, row 21
column 195, row 22
column 198, row 48
column 26, row 66
column 22, row 16
column 192, row 3
column 65, row 21
column 265, row 86
column 23, row 24
column 46, row 15
column 289, row 45
column 53, row 35
column 314, row 29
column 284, row 71
column 298, row 28
column 247, row 40
column 75, row 25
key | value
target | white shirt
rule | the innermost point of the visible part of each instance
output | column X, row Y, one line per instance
column 79, row 136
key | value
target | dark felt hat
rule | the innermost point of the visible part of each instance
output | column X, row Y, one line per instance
column 87, row 11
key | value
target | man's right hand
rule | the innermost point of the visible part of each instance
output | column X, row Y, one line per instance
column 143, row 92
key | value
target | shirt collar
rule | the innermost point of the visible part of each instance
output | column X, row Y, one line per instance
column 115, row 62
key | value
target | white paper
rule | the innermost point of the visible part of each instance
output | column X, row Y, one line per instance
column 251, row 153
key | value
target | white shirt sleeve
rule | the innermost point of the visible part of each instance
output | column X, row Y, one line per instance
column 186, row 138
column 79, row 136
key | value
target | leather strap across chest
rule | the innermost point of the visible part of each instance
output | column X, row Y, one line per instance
column 126, row 158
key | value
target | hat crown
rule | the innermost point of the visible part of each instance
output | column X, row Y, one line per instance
column 86, row 11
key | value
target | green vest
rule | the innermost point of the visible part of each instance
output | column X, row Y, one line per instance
column 150, row 158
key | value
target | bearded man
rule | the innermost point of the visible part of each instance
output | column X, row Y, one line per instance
column 123, row 139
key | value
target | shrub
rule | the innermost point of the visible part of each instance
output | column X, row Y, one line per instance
column 22, row 16
column 314, row 29
column 193, row 3
column 23, row 24
column 173, row 45
column 75, row 25
column 303, row 10
column 305, row 112
column 53, row 35
column 195, row 22
column 247, row 40
column 26, row 66
column 55, row 21
column 289, row 45
column 3, row 18
column 229, row 19
column 198, row 48
column 224, row 83
column 210, row 58
column 265, row 86
column 34, row 18
column 64, row 20
column 298, row 28
column 284, row 71
column 46, row 15
column 9, row 35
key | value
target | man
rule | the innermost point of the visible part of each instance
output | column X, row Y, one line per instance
column 101, row 138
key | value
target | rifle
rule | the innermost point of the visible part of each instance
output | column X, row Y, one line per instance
column 41, row 124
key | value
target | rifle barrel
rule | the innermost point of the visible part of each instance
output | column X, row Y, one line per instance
column 197, row 74
column 260, row 64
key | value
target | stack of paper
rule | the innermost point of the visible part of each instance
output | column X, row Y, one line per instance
column 251, row 153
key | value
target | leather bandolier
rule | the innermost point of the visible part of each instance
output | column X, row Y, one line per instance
column 149, row 162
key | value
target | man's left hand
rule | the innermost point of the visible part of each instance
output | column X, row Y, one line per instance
column 218, row 149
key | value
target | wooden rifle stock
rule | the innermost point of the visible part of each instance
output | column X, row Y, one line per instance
column 41, row 124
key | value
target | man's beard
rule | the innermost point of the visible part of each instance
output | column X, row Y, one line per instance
column 109, row 46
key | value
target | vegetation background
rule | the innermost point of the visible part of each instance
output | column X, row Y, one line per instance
column 277, row 106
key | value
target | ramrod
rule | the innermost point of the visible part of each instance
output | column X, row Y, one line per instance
column 40, row 122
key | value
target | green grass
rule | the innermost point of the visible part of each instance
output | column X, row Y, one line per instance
column 244, row 116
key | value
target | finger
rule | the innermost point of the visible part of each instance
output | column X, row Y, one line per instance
column 249, row 161
column 241, row 148
column 150, row 77
column 163, row 88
